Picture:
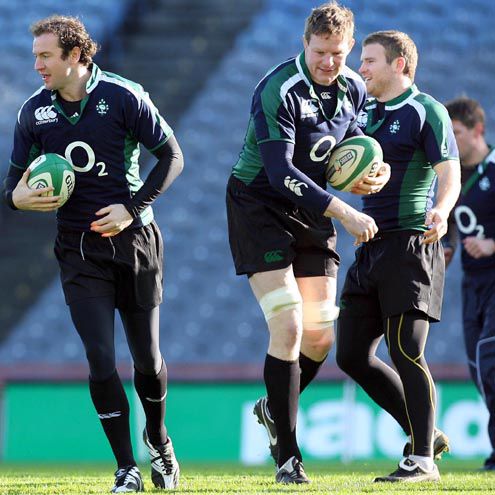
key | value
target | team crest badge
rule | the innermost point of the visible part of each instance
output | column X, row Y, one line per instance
column 362, row 119
column 485, row 184
column 102, row 107
column 394, row 127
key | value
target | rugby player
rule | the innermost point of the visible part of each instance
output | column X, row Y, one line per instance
column 108, row 246
column 475, row 219
column 280, row 215
column 395, row 286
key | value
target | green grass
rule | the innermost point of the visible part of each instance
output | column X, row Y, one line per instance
column 229, row 479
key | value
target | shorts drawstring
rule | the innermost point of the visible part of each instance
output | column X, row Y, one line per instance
column 358, row 260
column 113, row 247
column 81, row 246
column 81, row 249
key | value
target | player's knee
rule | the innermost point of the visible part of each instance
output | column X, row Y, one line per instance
column 280, row 300
column 285, row 337
column 319, row 315
column 101, row 363
column 148, row 365
column 325, row 343
column 317, row 343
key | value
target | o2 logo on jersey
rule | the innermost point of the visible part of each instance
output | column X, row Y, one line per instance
column 91, row 158
column 467, row 223
column 322, row 148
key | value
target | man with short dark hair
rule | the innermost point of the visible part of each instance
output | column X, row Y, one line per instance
column 108, row 246
column 475, row 219
column 395, row 286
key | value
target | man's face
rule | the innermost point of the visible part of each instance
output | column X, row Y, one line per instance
column 54, row 71
column 325, row 56
column 465, row 138
column 377, row 73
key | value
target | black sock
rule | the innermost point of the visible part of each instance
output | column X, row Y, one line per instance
column 112, row 407
column 309, row 369
column 282, row 386
column 152, row 390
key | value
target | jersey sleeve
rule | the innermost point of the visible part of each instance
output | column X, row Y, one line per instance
column 144, row 120
column 437, row 134
column 288, row 180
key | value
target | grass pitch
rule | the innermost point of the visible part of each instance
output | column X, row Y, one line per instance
column 327, row 478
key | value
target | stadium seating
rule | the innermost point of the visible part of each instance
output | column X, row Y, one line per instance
column 209, row 315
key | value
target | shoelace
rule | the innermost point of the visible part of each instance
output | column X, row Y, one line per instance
column 164, row 458
column 129, row 477
column 124, row 476
column 298, row 471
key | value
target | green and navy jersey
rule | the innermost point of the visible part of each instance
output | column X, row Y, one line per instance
column 101, row 141
column 415, row 133
column 292, row 116
column 475, row 210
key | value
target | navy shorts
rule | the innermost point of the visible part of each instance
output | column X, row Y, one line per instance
column 392, row 274
column 128, row 266
column 264, row 236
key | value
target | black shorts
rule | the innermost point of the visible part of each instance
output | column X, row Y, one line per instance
column 128, row 266
column 264, row 236
column 392, row 274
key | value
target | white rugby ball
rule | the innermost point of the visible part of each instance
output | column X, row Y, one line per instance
column 353, row 159
column 52, row 170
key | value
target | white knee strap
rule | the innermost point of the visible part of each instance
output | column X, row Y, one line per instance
column 319, row 314
column 278, row 300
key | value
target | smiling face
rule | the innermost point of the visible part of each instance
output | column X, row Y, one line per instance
column 325, row 56
column 377, row 73
column 53, row 69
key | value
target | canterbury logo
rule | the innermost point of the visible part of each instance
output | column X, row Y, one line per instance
column 272, row 256
column 114, row 414
column 294, row 185
column 45, row 115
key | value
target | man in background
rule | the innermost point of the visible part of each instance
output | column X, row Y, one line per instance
column 474, row 217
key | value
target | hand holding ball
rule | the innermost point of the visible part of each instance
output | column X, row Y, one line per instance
column 352, row 160
column 52, row 170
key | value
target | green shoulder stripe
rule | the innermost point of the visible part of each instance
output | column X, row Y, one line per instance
column 273, row 98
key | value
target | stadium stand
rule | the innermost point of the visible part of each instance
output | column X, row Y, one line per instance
column 209, row 315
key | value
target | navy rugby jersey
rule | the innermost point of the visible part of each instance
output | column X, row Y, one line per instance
column 288, row 107
column 101, row 141
column 415, row 133
column 475, row 211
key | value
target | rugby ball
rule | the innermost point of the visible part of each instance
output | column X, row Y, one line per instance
column 353, row 159
column 52, row 170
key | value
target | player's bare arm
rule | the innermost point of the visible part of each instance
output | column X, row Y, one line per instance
column 358, row 224
column 449, row 187
column 25, row 198
column 372, row 185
